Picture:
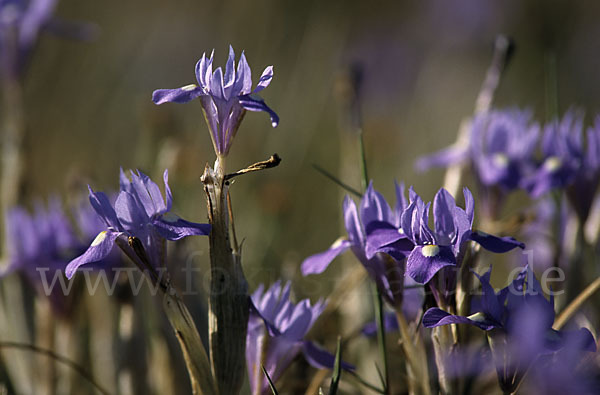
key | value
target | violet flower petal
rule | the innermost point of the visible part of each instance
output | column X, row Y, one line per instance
column 179, row 95
column 322, row 359
column 254, row 103
column 425, row 261
column 317, row 263
column 98, row 250
column 495, row 244
column 172, row 227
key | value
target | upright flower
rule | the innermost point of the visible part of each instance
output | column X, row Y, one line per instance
column 444, row 245
column 224, row 96
column 276, row 332
column 376, row 229
column 140, row 211
column 500, row 150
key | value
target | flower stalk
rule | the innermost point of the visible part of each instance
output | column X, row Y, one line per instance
column 228, row 300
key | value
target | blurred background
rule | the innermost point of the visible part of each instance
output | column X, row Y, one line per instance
column 88, row 105
column 89, row 108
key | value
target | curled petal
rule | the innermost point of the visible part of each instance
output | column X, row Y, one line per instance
column 168, row 190
column 318, row 263
column 179, row 95
column 255, row 103
column 320, row 358
column 98, row 250
column 443, row 158
column 495, row 244
column 380, row 234
column 436, row 317
column 265, row 79
column 171, row 227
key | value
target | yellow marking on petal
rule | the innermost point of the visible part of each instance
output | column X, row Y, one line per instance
column 477, row 317
column 100, row 238
column 500, row 160
column 552, row 164
column 188, row 88
column 170, row 217
column 429, row 251
column 338, row 242
column 401, row 231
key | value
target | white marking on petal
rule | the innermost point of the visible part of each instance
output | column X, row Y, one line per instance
column 99, row 239
column 500, row 160
column 338, row 242
column 401, row 231
column 477, row 317
column 170, row 217
column 552, row 164
column 429, row 251
column 188, row 88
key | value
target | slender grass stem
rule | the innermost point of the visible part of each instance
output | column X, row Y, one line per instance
column 58, row 358
column 576, row 304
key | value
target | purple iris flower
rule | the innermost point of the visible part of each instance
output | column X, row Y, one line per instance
column 20, row 24
column 376, row 229
column 276, row 331
column 40, row 245
column 139, row 211
column 564, row 372
column 563, row 153
column 519, row 310
column 444, row 246
column 521, row 318
column 570, row 161
column 225, row 97
column 501, row 147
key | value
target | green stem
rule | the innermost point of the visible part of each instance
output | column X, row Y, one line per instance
column 378, row 302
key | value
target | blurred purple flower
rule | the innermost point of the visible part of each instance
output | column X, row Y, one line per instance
column 564, row 372
column 570, row 161
column 444, row 246
column 20, row 24
column 519, row 310
column 276, row 331
column 500, row 149
column 225, row 97
column 139, row 211
column 40, row 245
column 376, row 229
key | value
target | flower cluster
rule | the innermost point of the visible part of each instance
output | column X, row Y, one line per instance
column 520, row 321
column 502, row 152
column 405, row 233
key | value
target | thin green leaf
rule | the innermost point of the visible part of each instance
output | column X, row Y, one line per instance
column 337, row 368
column 273, row 389
column 333, row 178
